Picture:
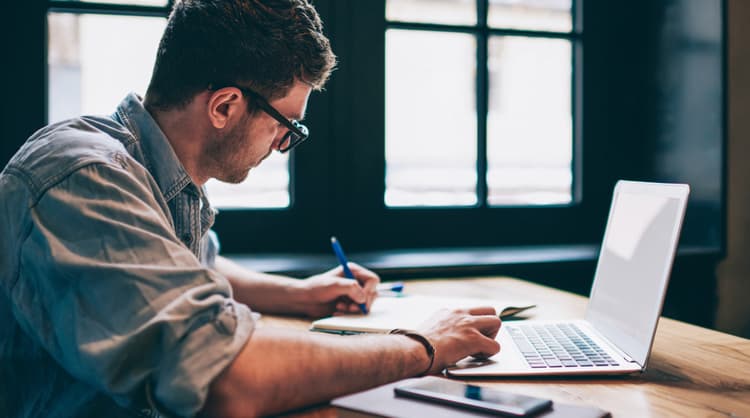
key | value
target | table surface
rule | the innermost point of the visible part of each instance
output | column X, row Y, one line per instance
column 692, row 371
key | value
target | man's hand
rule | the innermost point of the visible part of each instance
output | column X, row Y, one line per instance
column 317, row 296
column 460, row 333
column 331, row 292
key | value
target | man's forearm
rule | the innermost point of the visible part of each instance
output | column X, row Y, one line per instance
column 279, row 370
column 262, row 292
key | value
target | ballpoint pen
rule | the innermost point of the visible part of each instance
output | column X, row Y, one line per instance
column 391, row 289
column 345, row 265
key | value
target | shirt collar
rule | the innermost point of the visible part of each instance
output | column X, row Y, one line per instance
column 159, row 156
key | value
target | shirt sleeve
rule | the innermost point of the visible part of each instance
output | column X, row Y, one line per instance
column 110, row 292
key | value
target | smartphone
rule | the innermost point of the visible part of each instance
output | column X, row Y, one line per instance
column 473, row 397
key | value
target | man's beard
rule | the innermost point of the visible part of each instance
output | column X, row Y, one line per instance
column 224, row 155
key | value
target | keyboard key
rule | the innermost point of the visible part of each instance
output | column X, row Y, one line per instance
column 553, row 363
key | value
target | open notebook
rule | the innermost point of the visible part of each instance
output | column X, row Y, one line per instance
column 408, row 312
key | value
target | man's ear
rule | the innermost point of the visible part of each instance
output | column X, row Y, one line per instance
column 224, row 105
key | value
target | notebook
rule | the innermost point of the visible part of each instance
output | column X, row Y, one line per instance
column 408, row 312
column 627, row 295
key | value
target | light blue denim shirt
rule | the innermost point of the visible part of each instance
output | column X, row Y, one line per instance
column 108, row 302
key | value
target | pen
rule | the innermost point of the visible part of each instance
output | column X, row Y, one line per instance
column 345, row 264
column 397, row 287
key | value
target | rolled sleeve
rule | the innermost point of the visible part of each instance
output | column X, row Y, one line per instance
column 108, row 290
column 187, row 372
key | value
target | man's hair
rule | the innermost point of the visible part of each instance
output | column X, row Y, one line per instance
column 262, row 44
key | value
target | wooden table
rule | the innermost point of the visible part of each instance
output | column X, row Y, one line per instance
column 692, row 371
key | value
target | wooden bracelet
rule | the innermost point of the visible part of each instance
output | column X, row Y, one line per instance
column 422, row 340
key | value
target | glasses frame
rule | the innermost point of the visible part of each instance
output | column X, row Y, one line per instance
column 297, row 132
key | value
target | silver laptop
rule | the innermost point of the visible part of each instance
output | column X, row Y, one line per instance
column 617, row 331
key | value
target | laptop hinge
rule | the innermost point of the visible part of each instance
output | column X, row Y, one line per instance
column 624, row 355
column 617, row 349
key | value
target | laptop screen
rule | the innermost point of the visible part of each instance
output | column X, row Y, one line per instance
column 635, row 262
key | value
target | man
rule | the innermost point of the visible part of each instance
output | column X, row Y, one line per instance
column 114, row 301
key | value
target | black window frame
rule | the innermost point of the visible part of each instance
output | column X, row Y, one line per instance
column 337, row 180
column 94, row 8
column 121, row 9
column 345, row 153
column 343, row 195
column 482, row 32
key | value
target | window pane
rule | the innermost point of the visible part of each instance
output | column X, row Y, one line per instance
column 267, row 186
column 95, row 60
column 547, row 15
column 431, row 125
column 452, row 12
column 529, row 131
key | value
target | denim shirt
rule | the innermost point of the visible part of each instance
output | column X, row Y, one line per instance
column 108, row 301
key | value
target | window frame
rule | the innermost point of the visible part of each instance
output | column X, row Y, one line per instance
column 92, row 8
column 361, row 217
column 482, row 32
column 337, row 180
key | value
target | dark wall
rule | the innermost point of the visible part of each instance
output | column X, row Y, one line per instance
column 656, row 76
column 733, row 314
column 659, row 75
column 24, row 74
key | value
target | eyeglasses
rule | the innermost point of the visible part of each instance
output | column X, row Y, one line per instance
column 297, row 132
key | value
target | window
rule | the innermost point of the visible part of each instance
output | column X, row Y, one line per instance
column 479, row 103
column 448, row 123
column 94, row 60
column 431, row 123
column 98, row 52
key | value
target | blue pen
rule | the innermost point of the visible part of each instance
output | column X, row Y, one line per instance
column 391, row 287
column 393, row 290
column 345, row 264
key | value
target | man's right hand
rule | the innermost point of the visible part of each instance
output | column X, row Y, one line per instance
column 261, row 380
column 460, row 333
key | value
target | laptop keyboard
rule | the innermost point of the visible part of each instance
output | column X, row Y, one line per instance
column 558, row 345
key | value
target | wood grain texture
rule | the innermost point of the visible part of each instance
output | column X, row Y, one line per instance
column 692, row 372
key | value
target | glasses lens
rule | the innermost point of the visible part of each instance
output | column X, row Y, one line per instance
column 287, row 142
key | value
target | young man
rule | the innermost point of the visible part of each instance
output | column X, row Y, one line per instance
column 114, row 301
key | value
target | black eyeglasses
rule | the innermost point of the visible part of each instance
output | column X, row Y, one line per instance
column 297, row 132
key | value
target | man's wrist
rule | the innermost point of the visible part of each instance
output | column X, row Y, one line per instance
column 297, row 296
column 429, row 348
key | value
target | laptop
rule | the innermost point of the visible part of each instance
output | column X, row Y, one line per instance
column 616, row 334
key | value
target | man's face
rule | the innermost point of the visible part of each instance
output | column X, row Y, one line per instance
column 245, row 145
